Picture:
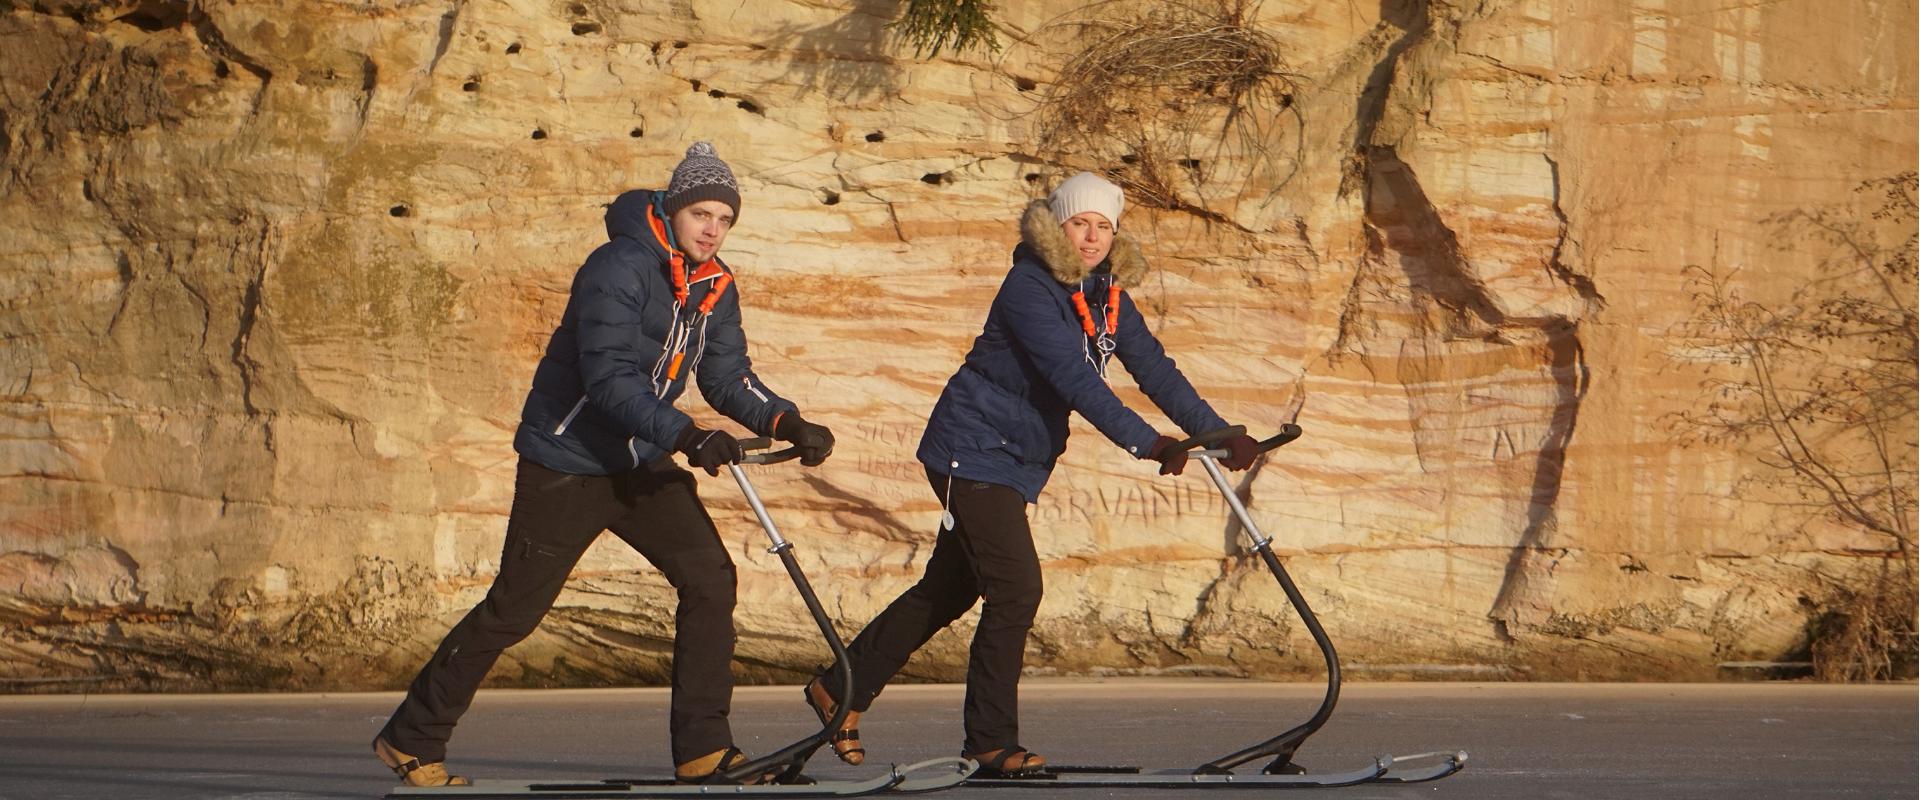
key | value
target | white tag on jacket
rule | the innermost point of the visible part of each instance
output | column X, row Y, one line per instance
column 946, row 512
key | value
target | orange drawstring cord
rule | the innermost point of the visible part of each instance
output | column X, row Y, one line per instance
column 1086, row 314
column 719, row 288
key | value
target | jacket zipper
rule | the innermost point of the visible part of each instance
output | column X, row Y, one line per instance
column 570, row 415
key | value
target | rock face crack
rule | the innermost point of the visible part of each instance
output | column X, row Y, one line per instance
column 444, row 36
column 1403, row 225
column 249, row 315
column 216, row 42
column 1581, row 284
column 1571, row 380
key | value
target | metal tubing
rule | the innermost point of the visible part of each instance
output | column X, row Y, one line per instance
column 759, row 510
column 1286, row 743
column 794, row 757
column 1207, row 459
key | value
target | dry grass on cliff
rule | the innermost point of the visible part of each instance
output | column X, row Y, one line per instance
column 1867, row 633
column 1158, row 86
column 952, row 25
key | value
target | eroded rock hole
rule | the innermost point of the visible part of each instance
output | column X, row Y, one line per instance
column 513, row 48
column 750, row 107
column 402, row 210
column 876, row 136
column 1025, row 84
column 539, row 133
column 935, row 178
column 156, row 16
column 829, row 197
column 585, row 28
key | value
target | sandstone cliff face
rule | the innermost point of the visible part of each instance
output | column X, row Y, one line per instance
column 276, row 276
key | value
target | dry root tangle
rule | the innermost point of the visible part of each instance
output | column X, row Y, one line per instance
column 1155, row 85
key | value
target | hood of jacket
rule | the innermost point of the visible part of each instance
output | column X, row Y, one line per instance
column 627, row 216
column 1042, row 233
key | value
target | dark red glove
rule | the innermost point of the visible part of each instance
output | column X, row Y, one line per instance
column 1172, row 459
column 708, row 450
column 1241, row 450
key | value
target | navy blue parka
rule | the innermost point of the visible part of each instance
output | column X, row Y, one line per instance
column 599, row 404
column 1003, row 416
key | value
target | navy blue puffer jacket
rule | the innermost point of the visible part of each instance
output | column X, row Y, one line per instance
column 602, row 401
column 1003, row 416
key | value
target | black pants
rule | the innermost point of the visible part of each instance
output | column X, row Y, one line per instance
column 988, row 554
column 555, row 516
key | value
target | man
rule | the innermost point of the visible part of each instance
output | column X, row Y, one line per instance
column 649, row 309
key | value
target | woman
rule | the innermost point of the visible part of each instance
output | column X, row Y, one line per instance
column 991, row 444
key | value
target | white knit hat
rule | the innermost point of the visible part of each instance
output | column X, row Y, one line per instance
column 1087, row 192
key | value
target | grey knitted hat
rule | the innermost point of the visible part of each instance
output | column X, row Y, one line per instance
column 702, row 176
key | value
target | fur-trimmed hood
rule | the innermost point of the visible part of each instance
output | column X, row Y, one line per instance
column 1042, row 233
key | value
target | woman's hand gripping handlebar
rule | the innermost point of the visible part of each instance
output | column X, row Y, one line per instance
column 1230, row 446
column 1288, row 432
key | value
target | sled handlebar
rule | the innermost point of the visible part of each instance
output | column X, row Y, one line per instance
column 1288, row 432
column 749, row 446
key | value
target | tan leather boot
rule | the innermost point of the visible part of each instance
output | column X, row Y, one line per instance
column 411, row 771
column 846, row 741
column 1008, row 762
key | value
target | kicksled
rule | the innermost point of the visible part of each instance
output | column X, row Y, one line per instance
column 787, row 762
column 1281, row 772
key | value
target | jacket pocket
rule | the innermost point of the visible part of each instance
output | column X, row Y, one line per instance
column 1016, row 425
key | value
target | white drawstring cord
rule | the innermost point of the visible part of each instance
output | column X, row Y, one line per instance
column 946, row 511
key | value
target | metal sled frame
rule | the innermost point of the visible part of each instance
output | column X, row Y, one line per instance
column 1281, row 772
column 787, row 761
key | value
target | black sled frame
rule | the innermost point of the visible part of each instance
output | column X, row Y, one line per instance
column 1281, row 772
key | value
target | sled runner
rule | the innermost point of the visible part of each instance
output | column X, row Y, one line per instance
column 785, row 763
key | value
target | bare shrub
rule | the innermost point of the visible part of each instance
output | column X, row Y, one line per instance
column 1823, row 392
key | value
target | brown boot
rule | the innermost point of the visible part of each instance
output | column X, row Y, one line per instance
column 846, row 741
column 1008, row 762
column 411, row 770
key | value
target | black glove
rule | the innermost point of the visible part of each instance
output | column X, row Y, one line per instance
column 1241, row 451
column 706, row 449
column 815, row 441
column 1172, row 459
